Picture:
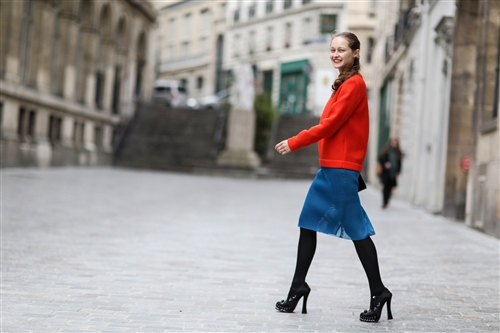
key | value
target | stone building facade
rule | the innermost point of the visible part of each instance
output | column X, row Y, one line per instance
column 70, row 75
column 437, row 91
column 474, row 140
column 190, row 39
column 413, row 53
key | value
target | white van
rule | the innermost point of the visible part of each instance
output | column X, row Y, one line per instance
column 170, row 93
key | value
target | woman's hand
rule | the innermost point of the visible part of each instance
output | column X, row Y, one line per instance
column 283, row 147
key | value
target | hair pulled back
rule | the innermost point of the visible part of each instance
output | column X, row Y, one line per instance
column 353, row 42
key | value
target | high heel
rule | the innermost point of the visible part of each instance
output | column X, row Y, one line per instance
column 293, row 298
column 376, row 306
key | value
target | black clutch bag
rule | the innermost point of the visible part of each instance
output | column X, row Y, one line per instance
column 361, row 184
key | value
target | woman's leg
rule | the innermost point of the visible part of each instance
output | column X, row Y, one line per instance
column 299, row 288
column 380, row 295
column 367, row 254
column 387, row 192
column 305, row 254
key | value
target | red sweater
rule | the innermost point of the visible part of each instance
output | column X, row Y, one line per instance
column 342, row 132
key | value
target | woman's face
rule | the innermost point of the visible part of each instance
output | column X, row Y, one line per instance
column 341, row 54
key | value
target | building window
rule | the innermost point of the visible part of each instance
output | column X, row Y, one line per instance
column 21, row 121
column 236, row 16
column 251, row 42
column 269, row 6
column 222, row 11
column 205, row 21
column 251, row 11
column 497, row 82
column 307, row 31
column 171, row 30
column 369, row 55
column 1, row 119
column 306, row 2
column 203, row 45
column 25, row 40
column 78, row 134
column 99, row 89
column 185, row 49
column 236, row 48
column 98, row 137
column 56, row 51
column 31, row 124
column 170, row 52
column 328, row 23
column 26, row 125
column 287, row 4
column 199, row 83
column 288, row 35
column 55, row 130
column 184, row 84
column 187, row 26
column 269, row 38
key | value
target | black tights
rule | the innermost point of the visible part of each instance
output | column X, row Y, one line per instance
column 386, row 192
column 365, row 248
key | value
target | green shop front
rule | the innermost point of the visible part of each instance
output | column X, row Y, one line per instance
column 294, row 77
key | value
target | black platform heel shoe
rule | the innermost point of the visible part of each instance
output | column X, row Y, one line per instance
column 376, row 306
column 293, row 298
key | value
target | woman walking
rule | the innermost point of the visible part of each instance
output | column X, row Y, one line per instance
column 390, row 162
column 332, row 205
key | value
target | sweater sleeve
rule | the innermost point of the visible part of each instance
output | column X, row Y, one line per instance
column 337, row 113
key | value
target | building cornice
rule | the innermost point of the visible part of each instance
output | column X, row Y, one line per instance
column 145, row 8
column 52, row 102
column 177, row 5
column 185, row 63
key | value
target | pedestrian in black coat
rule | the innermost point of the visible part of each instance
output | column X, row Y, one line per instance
column 390, row 164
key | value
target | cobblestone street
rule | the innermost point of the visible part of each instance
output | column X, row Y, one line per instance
column 118, row 250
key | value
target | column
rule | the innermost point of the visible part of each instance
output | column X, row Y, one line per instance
column 43, row 149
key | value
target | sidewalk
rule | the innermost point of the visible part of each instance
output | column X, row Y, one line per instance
column 117, row 250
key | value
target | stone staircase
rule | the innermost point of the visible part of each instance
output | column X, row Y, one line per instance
column 164, row 138
column 302, row 163
column 187, row 140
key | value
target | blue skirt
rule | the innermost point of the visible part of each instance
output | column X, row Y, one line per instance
column 332, row 206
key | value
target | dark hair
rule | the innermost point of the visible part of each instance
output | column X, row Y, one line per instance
column 353, row 42
column 388, row 146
